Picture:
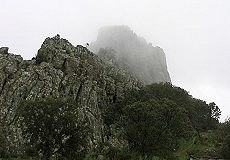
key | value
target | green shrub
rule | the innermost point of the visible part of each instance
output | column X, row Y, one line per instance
column 53, row 127
column 153, row 127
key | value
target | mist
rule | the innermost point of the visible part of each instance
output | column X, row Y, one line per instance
column 193, row 34
column 132, row 53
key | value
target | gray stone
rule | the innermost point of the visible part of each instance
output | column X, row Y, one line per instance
column 61, row 70
column 4, row 50
column 120, row 46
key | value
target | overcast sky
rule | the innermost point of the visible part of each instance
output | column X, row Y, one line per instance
column 195, row 34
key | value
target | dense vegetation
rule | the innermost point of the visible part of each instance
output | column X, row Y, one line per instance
column 156, row 118
column 159, row 121
column 53, row 127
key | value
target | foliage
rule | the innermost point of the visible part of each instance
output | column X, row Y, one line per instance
column 223, row 135
column 109, row 152
column 225, row 147
column 53, row 127
column 106, row 151
column 202, row 145
column 153, row 127
column 203, row 116
column 215, row 115
column 155, row 117
column 157, row 122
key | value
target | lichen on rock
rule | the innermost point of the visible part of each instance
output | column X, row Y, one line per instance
column 60, row 70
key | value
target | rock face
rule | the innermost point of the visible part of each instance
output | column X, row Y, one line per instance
column 133, row 53
column 60, row 70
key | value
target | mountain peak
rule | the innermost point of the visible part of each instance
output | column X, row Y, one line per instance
column 145, row 62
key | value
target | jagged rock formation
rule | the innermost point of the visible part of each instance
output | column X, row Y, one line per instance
column 133, row 53
column 60, row 70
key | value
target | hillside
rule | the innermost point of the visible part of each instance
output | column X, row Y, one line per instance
column 69, row 103
column 59, row 70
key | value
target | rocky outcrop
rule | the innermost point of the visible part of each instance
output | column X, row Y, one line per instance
column 60, row 70
column 133, row 53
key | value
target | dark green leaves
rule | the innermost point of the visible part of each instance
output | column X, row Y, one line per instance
column 153, row 127
column 53, row 127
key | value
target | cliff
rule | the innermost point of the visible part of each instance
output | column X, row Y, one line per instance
column 133, row 53
column 59, row 70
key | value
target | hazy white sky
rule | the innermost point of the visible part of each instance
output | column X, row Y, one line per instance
column 195, row 34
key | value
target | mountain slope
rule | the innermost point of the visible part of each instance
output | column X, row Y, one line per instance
column 142, row 60
column 60, row 70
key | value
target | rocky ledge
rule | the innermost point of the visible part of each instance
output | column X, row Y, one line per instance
column 60, row 70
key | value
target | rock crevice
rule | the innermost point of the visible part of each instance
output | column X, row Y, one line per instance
column 60, row 70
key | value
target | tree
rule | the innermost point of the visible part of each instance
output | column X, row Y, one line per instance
column 223, row 136
column 160, row 111
column 225, row 147
column 53, row 127
column 153, row 127
column 215, row 111
column 203, row 116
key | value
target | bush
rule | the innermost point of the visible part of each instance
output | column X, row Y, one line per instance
column 53, row 127
column 223, row 134
column 154, row 127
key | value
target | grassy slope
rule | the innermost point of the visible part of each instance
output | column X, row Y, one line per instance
column 203, row 145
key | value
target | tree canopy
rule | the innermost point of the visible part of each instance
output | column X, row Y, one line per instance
column 151, row 121
column 155, row 117
column 153, row 127
column 53, row 127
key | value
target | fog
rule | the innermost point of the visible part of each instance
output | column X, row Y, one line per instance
column 132, row 53
column 194, row 34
